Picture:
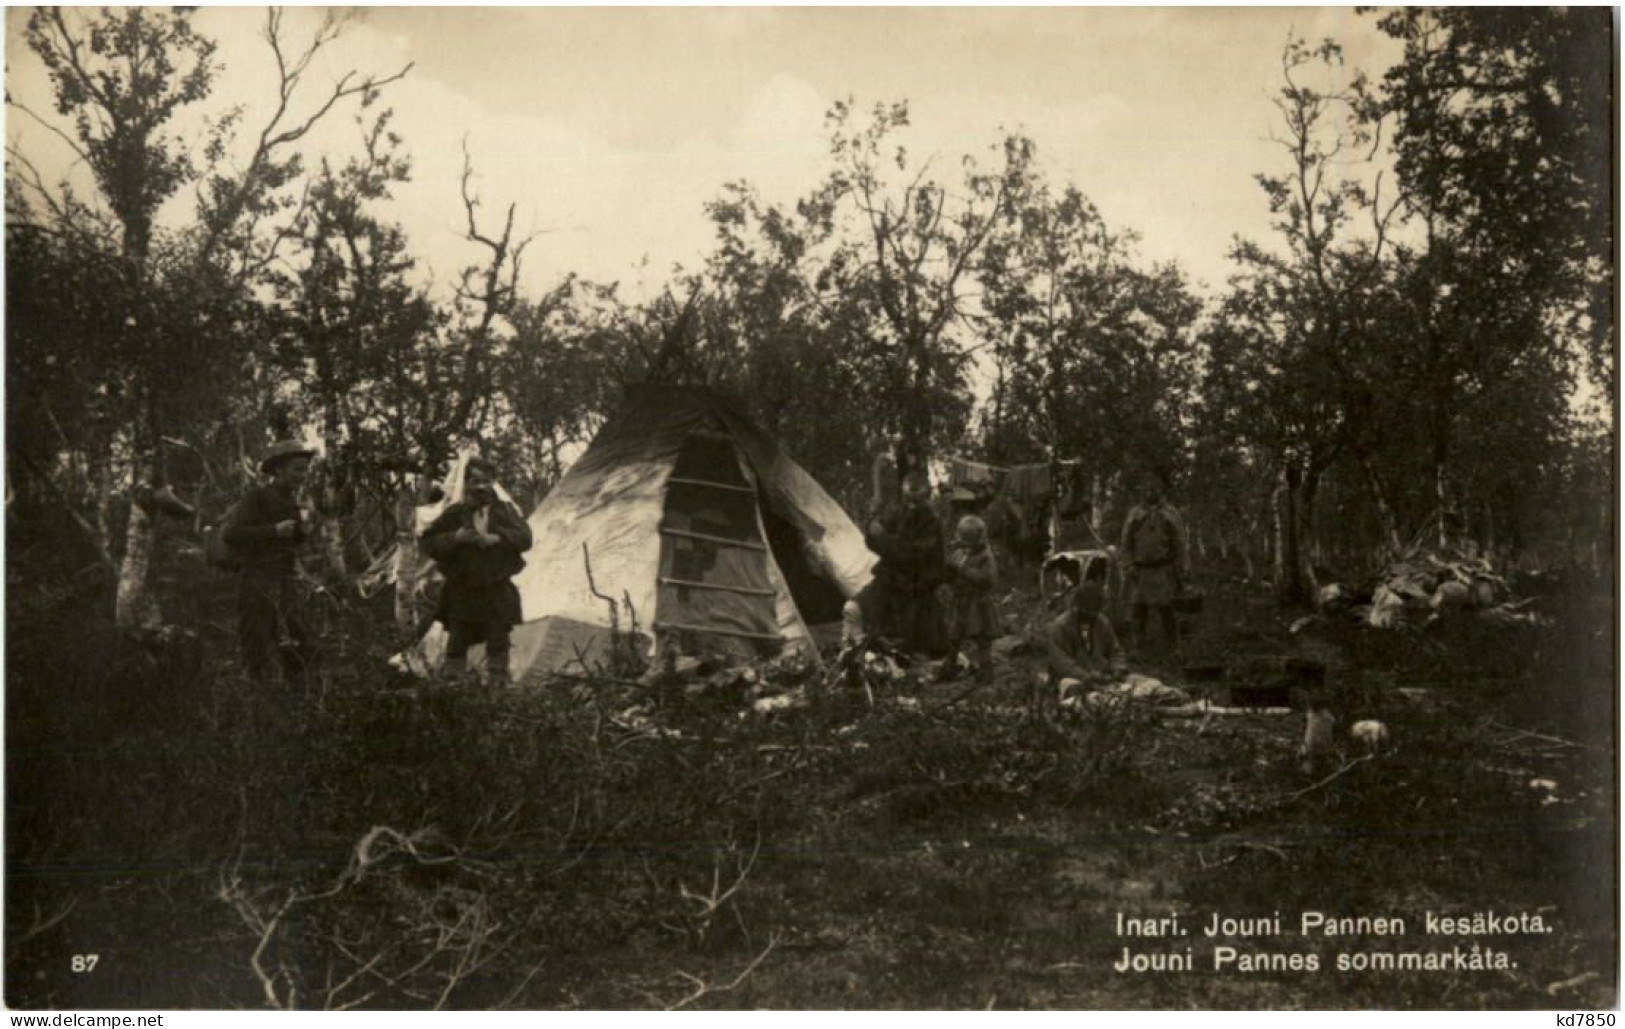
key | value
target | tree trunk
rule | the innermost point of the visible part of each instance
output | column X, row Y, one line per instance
column 1441, row 497
column 1605, row 538
column 1308, row 534
column 1290, row 580
column 997, row 454
column 101, row 480
column 1279, row 544
column 914, row 444
column 1263, row 527
column 555, row 462
column 134, row 606
column 885, row 484
column 407, row 557
column 332, row 531
column 1385, row 510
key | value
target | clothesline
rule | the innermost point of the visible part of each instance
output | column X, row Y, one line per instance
column 1025, row 481
column 967, row 463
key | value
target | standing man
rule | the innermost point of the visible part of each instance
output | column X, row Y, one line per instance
column 909, row 542
column 265, row 533
column 1154, row 551
column 477, row 542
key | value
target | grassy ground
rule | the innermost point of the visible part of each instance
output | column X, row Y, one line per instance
column 378, row 844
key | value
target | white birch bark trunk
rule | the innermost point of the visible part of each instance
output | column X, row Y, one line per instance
column 1441, row 493
column 406, row 559
column 332, row 530
column 101, row 481
column 134, row 606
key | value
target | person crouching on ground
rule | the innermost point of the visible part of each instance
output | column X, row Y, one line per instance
column 973, row 574
column 1081, row 647
column 266, row 532
column 477, row 542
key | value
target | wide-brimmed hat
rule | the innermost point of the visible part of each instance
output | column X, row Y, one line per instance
column 282, row 451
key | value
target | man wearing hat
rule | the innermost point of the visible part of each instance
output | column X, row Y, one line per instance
column 265, row 533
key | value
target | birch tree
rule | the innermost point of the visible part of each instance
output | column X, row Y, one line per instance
column 119, row 79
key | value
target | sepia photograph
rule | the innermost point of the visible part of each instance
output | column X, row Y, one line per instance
column 811, row 508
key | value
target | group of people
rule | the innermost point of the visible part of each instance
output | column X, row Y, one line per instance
column 477, row 542
column 934, row 595
column 930, row 594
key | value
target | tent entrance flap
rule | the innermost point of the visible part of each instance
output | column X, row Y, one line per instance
column 818, row 599
column 714, row 590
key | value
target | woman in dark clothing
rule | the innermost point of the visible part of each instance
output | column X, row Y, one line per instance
column 909, row 543
column 477, row 542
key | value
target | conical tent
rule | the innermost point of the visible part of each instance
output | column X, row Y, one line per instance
column 698, row 527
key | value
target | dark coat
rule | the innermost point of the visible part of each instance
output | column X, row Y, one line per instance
column 902, row 603
column 270, row 610
column 1004, row 525
column 1158, row 559
column 910, row 549
column 479, row 579
column 252, row 532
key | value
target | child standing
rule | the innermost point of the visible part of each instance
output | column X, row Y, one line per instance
column 973, row 574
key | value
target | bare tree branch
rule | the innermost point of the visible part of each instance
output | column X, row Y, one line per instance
column 271, row 140
column 499, row 286
column 72, row 143
column 98, row 545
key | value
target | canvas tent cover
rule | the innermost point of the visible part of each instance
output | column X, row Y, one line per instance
column 697, row 524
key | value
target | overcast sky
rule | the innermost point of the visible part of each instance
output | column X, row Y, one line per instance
column 610, row 128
